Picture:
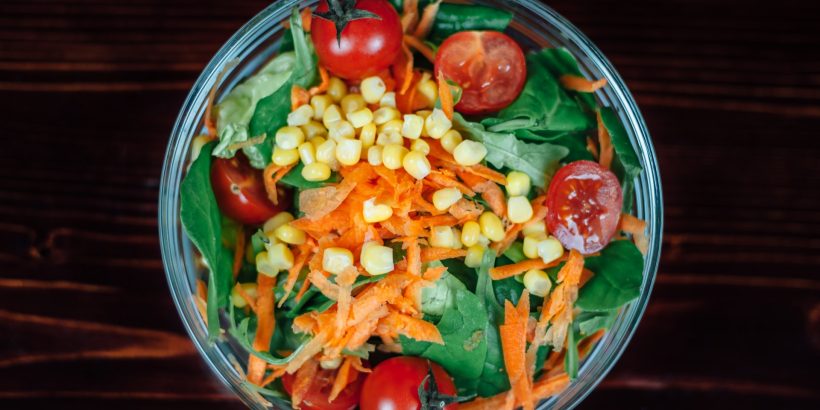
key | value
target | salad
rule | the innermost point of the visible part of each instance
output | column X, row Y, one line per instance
column 404, row 209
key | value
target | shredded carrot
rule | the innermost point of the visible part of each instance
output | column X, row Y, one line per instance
column 577, row 83
column 489, row 191
column 592, row 148
column 487, row 173
column 342, row 379
column 586, row 275
column 356, row 362
column 413, row 255
column 605, row 141
column 324, row 85
column 507, row 271
column 510, row 236
column 301, row 383
column 248, row 299
column 465, row 210
column 409, row 15
column 307, row 18
column 403, row 70
column 433, row 274
column 275, row 374
column 298, row 96
column 444, row 180
column 437, row 254
column 428, row 16
column 304, row 252
column 445, row 95
column 202, row 289
column 513, row 335
column 266, row 323
column 637, row 227
column 318, row 279
column 542, row 389
column 422, row 48
column 411, row 327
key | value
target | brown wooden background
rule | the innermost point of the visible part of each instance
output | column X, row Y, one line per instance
column 88, row 93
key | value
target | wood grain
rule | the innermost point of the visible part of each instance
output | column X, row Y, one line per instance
column 90, row 88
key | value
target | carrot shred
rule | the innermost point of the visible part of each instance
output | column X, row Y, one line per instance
column 248, row 299
column 411, row 327
column 507, row 271
column 403, row 70
column 302, row 381
column 445, row 95
column 637, row 227
column 605, row 141
column 238, row 251
column 318, row 279
column 296, row 269
column 433, row 274
column 465, row 210
column 428, row 16
column 513, row 335
column 409, row 15
column 577, row 83
column 324, row 85
column 437, row 254
column 307, row 18
column 487, row 173
column 422, row 48
column 490, row 191
column 266, row 323
column 341, row 380
column 444, row 180
column 542, row 389
column 413, row 256
column 298, row 97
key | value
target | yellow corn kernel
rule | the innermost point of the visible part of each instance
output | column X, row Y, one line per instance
column 307, row 153
column 385, row 114
column 276, row 221
column 518, row 184
column 550, row 249
column 284, row 157
column 413, row 124
column 300, row 116
column 290, row 235
column 361, row 117
column 441, row 236
column 388, row 100
column 336, row 89
column 326, row 152
column 457, row 244
column 491, row 226
column 470, row 232
column 280, row 258
column 416, row 164
column 367, row 136
column 531, row 244
column 535, row 228
column 340, row 130
column 332, row 114
column 289, row 137
column 317, row 171
column 336, row 260
column 373, row 89
column 429, row 91
column 237, row 300
column 393, row 155
column 316, row 141
column 537, row 282
column 313, row 129
column 374, row 212
column 437, row 124
column 374, row 155
column 474, row 255
column 352, row 102
column 392, row 126
column 263, row 265
column 444, row 198
column 376, row 259
column 424, row 113
column 330, row 364
column 348, row 151
column 420, row 145
column 450, row 140
column 319, row 103
column 390, row 137
column 519, row 209
column 469, row 152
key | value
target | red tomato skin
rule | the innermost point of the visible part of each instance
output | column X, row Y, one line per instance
column 316, row 397
column 593, row 195
column 394, row 384
column 488, row 65
column 368, row 46
column 240, row 192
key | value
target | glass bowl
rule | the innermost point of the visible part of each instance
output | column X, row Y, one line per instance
column 534, row 26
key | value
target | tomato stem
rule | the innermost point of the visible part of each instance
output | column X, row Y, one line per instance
column 342, row 12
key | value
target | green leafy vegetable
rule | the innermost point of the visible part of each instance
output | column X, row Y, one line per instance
column 462, row 272
column 493, row 378
column 202, row 221
column 625, row 164
column 295, row 179
column 618, row 273
column 575, row 142
column 571, row 359
column 560, row 62
column 591, row 322
column 452, row 18
column 515, row 252
column 437, row 299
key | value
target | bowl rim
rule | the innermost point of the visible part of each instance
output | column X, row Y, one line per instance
column 251, row 34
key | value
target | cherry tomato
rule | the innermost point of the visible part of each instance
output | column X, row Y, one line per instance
column 584, row 205
column 394, row 384
column 488, row 65
column 368, row 45
column 316, row 397
column 240, row 192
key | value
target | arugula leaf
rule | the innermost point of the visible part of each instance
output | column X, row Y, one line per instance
column 625, row 164
column 493, row 378
column 618, row 273
column 202, row 222
column 505, row 150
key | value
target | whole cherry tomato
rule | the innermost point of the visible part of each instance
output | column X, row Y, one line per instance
column 394, row 384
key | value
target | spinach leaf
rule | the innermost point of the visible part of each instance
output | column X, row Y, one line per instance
column 591, row 322
column 437, row 299
column 575, row 142
column 202, row 222
column 462, row 272
column 462, row 328
column 271, row 112
column 511, row 289
column 452, row 18
column 515, row 252
column 295, row 179
column 505, row 150
column 571, row 359
column 618, row 273
column 493, row 378
column 560, row 62
column 625, row 164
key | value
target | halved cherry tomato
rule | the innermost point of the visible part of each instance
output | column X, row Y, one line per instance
column 240, row 192
column 584, row 205
column 488, row 65
column 394, row 384
column 316, row 397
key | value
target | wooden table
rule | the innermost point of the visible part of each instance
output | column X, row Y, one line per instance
column 89, row 90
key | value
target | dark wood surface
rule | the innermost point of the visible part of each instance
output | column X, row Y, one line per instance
column 89, row 90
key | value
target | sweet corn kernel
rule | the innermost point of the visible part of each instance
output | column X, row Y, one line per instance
column 300, row 116
column 263, row 265
column 236, row 298
column 290, row 235
column 317, row 171
column 457, row 239
column 374, row 155
column 389, row 137
column 332, row 114
column 316, row 141
column 336, row 260
column 531, row 244
column 376, row 259
column 429, row 91
column 319, row 103
column 437, row 124
column 469, row 152
column 289, row 137
column 519, row 209
column 336, row 89
column 491, row 226
column 352, row 102
column 424, row 113
column 420, row 145
column 444, row 198
column 361, row 117
column 385, row 114
column 450, row 140
column 307, row 153
column 393, row 155
column 518, row 184
column 537, row 282
column 441, row 236
column 411, row 129
column 550, row 249
column 331, row 364
column 416, row 164
column 348, row 151
column 284, row 157
column 470, row 232
column 388, row 100
column 276, row 221
column 392, row 126
column 280, row 258
column 326, row 152
column 374, row 212
column 474, row 255
column 535, row 228
column 341, row 129
column 313, row 129
column 373, row 89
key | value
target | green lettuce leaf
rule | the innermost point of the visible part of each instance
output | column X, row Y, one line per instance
column 618, row 274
